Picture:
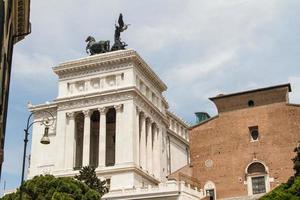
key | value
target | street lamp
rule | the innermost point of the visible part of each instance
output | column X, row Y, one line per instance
column 45, row 139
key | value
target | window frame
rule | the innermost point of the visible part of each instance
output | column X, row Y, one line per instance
column 253, row 175
column 251, row 130
column 264, row 184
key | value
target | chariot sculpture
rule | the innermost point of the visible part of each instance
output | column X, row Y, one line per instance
column 103, row 46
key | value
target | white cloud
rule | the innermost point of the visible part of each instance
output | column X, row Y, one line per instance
column 209, row 23
column 32, row 66
column 185, row 74
column 202, row 48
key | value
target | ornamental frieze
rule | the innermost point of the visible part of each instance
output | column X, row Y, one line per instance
column 93, row 101
column 94, row 69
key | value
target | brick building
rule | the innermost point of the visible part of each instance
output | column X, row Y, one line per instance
column 246, row 149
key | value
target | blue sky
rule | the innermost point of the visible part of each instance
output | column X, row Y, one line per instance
column 199, row 48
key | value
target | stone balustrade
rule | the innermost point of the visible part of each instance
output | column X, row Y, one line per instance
column 167, row 188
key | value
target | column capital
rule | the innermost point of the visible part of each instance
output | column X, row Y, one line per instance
column 87, row 113
column 70, row 115
column 103, row 110
column 149, row 120
column 118, row 108
column 142, row 113
column 138, row 110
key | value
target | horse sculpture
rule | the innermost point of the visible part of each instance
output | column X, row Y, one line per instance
column 94, row 47
column 103, row 46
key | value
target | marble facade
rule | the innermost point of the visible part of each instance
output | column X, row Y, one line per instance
column 110, row 113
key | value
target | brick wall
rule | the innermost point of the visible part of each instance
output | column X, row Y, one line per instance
column 225, row 140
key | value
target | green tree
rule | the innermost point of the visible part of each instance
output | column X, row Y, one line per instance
column 291, row 189
column 50, row 188
column 296, row 161
column 88, row 176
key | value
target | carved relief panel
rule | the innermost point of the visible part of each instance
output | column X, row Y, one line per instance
column 95, row 84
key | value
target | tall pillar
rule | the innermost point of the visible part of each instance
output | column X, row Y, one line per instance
column 164, row 156
column 143, row 150
column 137, row 137
column 102, row 137
column 149, row 146
column 156, row 153
column 86, row 138
column 119, row 146
column 70, row 141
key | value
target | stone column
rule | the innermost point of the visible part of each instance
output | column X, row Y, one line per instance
column 70, row 141
column 102, row 137
column 119, row 146
column 137, row 137
column 86, row 138
column 149, row 146
column 143, row 151
column 156, row 153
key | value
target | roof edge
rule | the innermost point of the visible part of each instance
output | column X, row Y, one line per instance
column 203, row 122
column 254, row 90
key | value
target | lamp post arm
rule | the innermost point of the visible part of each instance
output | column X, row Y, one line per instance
column 26, row 131
column 30, row 124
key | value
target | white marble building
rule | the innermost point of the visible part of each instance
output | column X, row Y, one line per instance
column 110, row 113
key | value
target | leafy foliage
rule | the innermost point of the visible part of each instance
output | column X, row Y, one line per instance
column 88, row 176
column 50, row 188
column 291, row 189
column 296, row 161
column 285, row 192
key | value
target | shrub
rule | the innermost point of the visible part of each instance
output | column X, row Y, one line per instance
column 50, row 188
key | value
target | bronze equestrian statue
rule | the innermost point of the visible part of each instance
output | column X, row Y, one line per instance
column 94, row 47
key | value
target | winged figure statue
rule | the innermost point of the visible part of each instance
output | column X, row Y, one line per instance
column 103, row 46
column 118, row 29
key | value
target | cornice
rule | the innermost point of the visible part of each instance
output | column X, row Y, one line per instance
column 142, row 102
column 82, row 101
column 108, row 171
column 172, row 133
column 178, row 119
column 21, row 18
column 39, row 107
column 144, row 67
column 107, row 62
column 97, row 98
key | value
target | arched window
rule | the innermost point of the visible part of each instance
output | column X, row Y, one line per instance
column 257, row 178
column 250, row 103
column 210, row 190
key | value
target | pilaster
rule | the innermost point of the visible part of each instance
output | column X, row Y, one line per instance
column 86, row 137
column 156, row 152
column 137, row 137
column 102, row 137
column 143, row 150
column 119, row 132
column 70, row 141
column 149, row 146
